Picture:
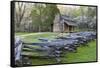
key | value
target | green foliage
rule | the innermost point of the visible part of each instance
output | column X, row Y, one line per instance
column 91, row 12
column 43, row 15
column 85, row 17
column 75, row 12
column 40, row 17
column 50, row 12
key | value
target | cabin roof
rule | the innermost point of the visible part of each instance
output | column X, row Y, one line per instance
column 70, row 23
column 68, row 20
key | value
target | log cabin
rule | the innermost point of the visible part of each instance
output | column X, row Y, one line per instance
column 63, row 23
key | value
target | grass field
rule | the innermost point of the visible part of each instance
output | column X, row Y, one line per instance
column 33, row 37
column 84, row 53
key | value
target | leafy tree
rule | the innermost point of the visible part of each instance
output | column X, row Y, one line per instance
column 43, row 16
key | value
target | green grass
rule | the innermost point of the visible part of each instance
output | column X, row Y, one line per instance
column 84, row 53
column 21, row 33
column 35, row 37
